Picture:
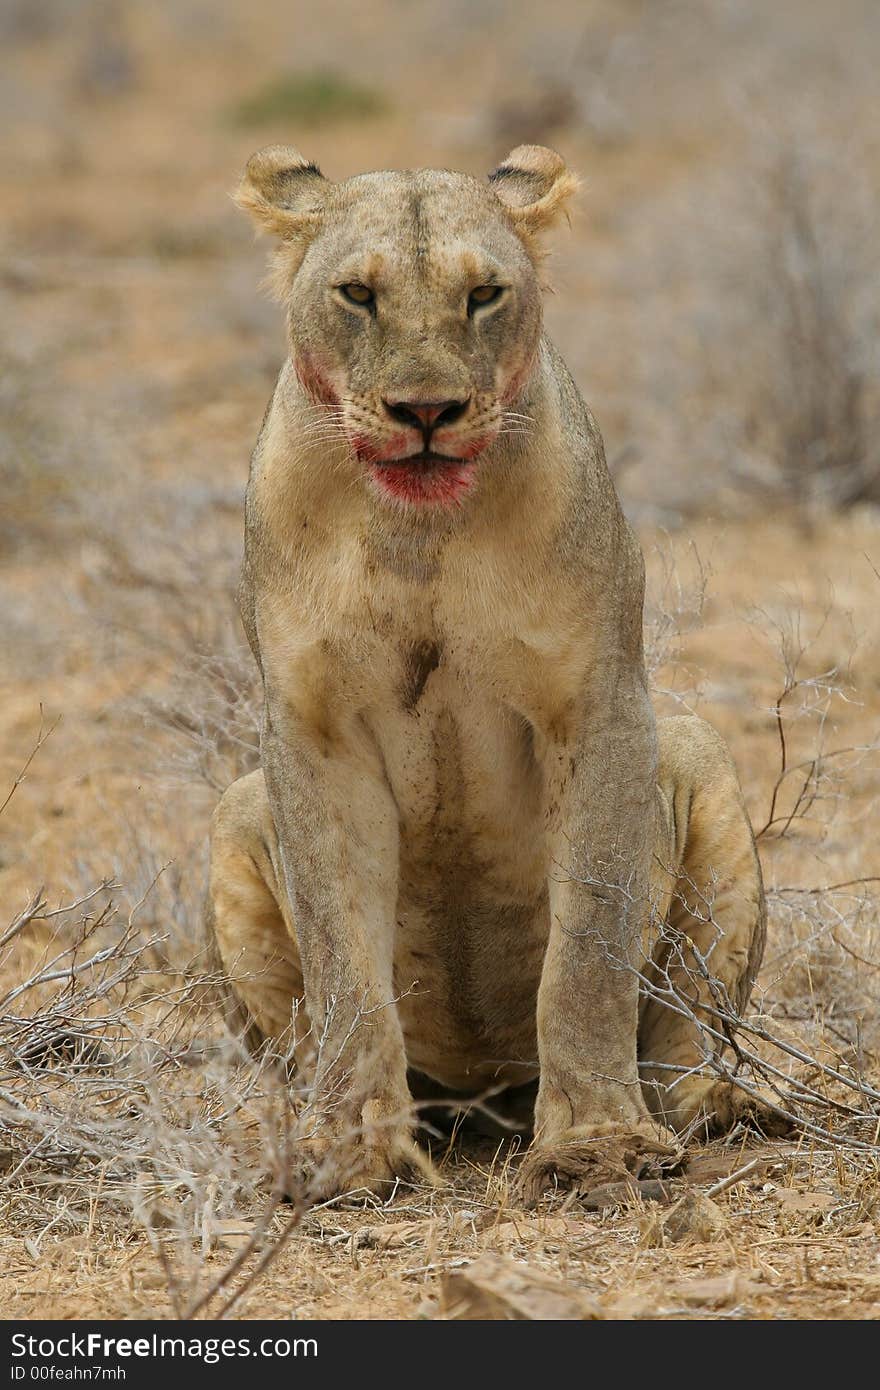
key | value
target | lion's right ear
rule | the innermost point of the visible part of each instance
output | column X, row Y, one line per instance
column 284, row 193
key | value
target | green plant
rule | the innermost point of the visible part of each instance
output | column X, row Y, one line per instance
column 309, row 98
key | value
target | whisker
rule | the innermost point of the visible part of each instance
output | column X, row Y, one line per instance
column 323, row 432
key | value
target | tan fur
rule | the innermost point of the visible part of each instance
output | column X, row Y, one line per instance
column 461, row 823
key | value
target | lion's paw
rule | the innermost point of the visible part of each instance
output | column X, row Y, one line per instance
column 591, row 1156
column 724, row 1105
column 358, row 1165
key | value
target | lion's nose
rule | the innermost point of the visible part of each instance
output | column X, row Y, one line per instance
column 426, row 415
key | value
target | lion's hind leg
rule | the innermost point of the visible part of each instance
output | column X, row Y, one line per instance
column 707, row 936
column 249, row 920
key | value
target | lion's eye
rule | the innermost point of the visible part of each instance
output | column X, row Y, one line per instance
column 358, row 294
column 483, row 294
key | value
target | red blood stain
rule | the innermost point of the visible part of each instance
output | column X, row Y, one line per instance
column 314, row 381
column 442, row 485
column 475, row 446
column 370, row 452
column 517, row 382
column 418, row 484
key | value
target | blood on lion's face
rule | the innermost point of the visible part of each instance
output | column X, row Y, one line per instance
column 413, row 311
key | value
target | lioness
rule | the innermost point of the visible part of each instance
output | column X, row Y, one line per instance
column 467, row 830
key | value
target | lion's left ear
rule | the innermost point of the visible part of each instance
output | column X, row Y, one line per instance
column 534, row 185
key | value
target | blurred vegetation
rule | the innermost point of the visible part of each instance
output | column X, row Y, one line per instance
column 311, row 98
column 36, row 476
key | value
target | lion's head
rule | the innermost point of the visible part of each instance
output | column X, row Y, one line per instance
column 413, row 305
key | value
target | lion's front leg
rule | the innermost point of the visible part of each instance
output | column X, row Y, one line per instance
column 591, row 1123
column 338, row 846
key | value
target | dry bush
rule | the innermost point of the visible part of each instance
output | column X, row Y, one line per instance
column 754, row 327
column 811, row 428
column 40, row 452
column 674, row 601
column 740, row 342
column 123, row 1104
column 122, row 1099
column 810, row 1038
column 822, row 972
column 213, row 713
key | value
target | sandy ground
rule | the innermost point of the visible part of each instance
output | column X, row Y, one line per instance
column 136, row 359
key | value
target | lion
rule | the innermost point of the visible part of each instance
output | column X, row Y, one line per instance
column 471, row 854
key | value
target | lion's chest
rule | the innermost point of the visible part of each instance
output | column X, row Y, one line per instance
column 465, row 711
column 472, row 910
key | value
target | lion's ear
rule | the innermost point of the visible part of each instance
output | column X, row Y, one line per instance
column 283, row 192
column 534, row 185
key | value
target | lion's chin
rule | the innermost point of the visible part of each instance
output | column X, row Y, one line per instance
column 420, row 484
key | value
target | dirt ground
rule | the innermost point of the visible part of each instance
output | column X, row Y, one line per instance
column 136, row 357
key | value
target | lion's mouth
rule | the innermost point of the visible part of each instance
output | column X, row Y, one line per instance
column 424, row 458
column 425, row 478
